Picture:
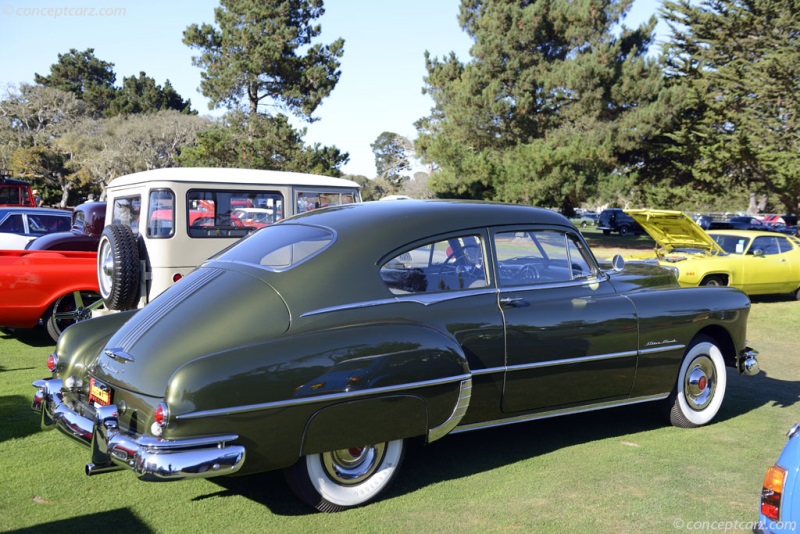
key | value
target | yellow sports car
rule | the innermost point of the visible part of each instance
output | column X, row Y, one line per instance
column 756, row 262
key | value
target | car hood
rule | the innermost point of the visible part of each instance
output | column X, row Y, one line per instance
column 674, row 230
column 207, row 312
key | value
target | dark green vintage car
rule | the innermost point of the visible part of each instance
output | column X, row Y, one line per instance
column 322, row 344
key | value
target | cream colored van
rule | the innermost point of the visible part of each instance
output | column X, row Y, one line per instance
column 163, row 223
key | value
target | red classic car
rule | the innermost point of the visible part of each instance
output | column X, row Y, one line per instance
column 58, row 288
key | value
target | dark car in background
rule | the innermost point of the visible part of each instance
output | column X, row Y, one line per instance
column 616, row 220
column 88, row 220
column 322, row 345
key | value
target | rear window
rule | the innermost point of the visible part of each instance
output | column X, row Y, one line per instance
column 280, row 247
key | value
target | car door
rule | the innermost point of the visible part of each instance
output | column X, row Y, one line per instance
column 767, row 266
column 570, row 338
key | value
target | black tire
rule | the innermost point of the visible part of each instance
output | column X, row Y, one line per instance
column 70, row 309
column 624, row 230
column 797, row 294
column 118, row 267
column 700, row 387
column 339, row 480
column 713, row 281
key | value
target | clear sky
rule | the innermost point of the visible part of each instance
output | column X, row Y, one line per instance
column 382, row 69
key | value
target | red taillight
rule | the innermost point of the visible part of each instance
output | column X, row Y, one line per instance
column 772, row 491
column 176, row 277
column 161, row 415
column 52, row 362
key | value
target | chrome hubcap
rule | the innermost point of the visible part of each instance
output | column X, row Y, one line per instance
column 700, row 383
column 353, row 465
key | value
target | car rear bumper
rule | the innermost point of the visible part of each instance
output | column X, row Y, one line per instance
column 150, row 458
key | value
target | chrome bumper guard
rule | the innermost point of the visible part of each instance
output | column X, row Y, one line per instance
column 150, row 458
column 747, row 362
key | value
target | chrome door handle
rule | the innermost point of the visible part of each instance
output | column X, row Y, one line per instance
column 514, row 302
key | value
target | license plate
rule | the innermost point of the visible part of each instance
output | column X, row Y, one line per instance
column 99, row 393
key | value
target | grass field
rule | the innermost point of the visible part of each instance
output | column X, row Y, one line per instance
column 620, row 470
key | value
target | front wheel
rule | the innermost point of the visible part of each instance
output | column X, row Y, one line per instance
column 713, row 281
column 624, row 230
column 338, row 480
column 700, row 387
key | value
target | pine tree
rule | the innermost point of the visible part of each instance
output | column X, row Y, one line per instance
column 740, row 62
column 556, row 99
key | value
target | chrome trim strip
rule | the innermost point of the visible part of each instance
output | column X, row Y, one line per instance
column 321, row 398
column 460, row 409
column 568, row 361
column 118, row 355
column 555, row 413
column 425, row 299
column 488, row 371
column 662, row 349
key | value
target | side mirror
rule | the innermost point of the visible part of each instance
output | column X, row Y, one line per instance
column 618, row 262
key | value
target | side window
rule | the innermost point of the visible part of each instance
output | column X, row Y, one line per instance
column 540, row 257
column 126, row 210
column 450, row 264
column 783, row 244
column 13, row 224
column 234, row 213
column 161, row 213
column 308, row 201
column 767, row 245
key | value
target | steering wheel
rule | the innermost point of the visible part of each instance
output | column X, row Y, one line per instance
column 528, row 273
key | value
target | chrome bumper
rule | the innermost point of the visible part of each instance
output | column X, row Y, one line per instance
column 747, row 362
column 150, row 458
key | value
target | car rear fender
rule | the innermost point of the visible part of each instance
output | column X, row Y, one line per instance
column 365, row 422
column 82, row 342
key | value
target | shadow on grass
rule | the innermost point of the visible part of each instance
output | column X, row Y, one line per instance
column 33, row 337
column 18, row 419
column 119, row 521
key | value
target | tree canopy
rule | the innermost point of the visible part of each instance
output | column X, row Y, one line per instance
column 557, row 98
column 739, row 64
column 262, row 52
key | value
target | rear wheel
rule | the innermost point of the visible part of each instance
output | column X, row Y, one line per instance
column 624, row 230
column 118, row 267
column 338, row 480
column 70, row 309
column 700, row 387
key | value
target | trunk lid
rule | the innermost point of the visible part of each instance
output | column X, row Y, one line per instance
column 209, row 311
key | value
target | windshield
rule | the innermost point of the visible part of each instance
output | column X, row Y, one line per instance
column 732, row 244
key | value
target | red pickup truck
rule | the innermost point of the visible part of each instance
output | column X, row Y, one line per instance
column 58, row 288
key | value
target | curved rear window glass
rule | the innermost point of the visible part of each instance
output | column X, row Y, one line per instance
column 280, row 247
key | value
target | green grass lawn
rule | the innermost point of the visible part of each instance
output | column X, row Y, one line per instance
column 620, row 470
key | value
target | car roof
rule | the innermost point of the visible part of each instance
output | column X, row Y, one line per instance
column 222, row 175
column 747, row 233
column 398, row 223
column 34, row 211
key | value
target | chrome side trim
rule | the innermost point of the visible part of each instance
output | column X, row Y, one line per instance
column 665, row 348
column 321, row 398
column 426, row 299
column 556, row 413
column 464, row 395
column 568, row 361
